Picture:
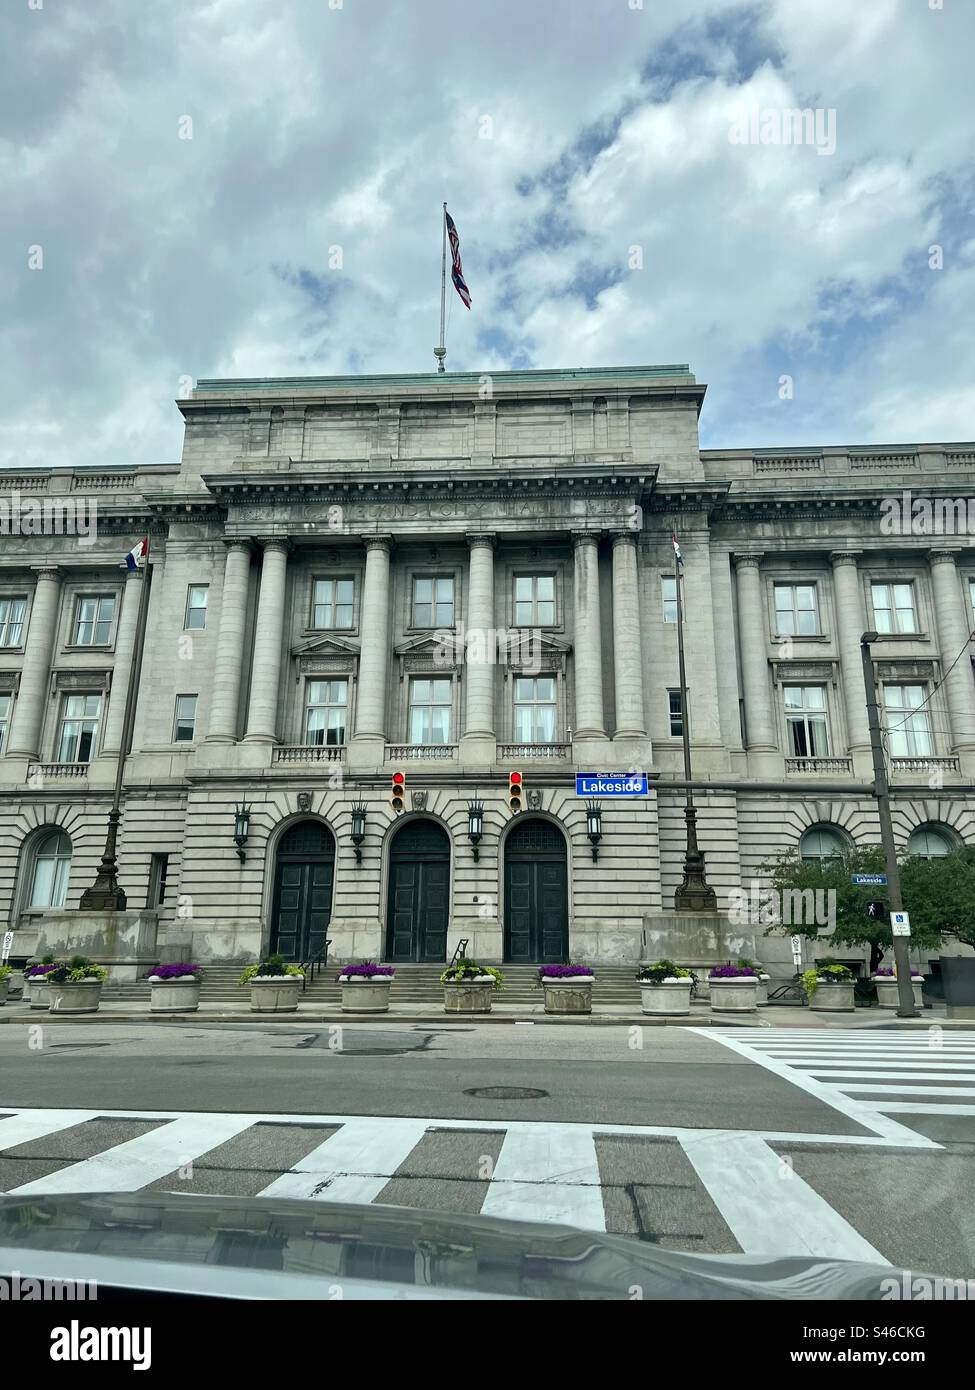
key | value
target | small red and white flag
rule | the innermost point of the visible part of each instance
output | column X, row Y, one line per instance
column 138, row 555
column 677, row 550
column 457, row 270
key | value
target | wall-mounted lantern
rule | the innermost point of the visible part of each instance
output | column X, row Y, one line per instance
column 475, row 824
column 242, row 820
column 358, row 827
column 594, row 825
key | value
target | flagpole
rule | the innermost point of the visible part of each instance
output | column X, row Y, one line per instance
column 695, row 894
column 105, row 895
column 441, row 352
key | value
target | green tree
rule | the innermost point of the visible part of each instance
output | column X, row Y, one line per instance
column 938, row 893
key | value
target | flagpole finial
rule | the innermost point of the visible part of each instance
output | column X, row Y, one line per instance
column 440, row 353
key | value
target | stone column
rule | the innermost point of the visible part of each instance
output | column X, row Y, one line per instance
column 122, row 667
column 262, row 715
column 229, row 657
column 370, row 707
column 627, row 643
column 850, row 626
column 28, row 717
column 479, row 672
column 587, row 648
column 954, row 619
column 753, row 639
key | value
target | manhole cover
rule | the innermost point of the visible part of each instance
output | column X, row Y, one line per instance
column 505, row 1093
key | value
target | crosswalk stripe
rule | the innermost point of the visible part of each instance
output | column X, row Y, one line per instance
column 836, row 1075
column 137, row 1162
column 549, row 1174
column 915, row 1090
column 37, row 1124
column 768, row 1208
column 354, row 1164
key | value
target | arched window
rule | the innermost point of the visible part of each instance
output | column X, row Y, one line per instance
column 48, row 868
column 822, row 842
column 929, row 842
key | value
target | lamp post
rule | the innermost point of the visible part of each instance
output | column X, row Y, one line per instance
column 694, row 893
column 358, row 828
column 475, row 824
column 594, row 825
column 881, row 790
column 242, row 817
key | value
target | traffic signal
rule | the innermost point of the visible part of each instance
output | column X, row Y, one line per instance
column 397, row 792
column 877, row 910
column 515, row 792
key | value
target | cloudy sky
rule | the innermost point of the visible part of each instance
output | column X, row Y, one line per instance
column 200, row 188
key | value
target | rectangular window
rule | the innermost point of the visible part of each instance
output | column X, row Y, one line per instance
column 429, row 710
column 326, row 711
column 893, row 608
column 93, row 620
column 534, row 720
column 158, row 874
column 433, row 602
column 535, row 600
column 676, row 712
column 908, row 726
column 808, row 721
column 6, row 704
column 332, row 603
column 196, row 607
column 12, row 613
column 78, row 733
column 184, row 722
column 668, row 590
column 971, row 600
column 796, row 614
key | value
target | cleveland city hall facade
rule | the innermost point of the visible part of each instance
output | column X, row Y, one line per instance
column 456, row 577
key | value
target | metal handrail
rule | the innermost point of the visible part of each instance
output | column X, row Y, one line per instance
column 315, row 964
column 460, row 952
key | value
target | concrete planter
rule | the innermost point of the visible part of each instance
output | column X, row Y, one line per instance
column 176, row 996
column 36, row 994
column 670, row 997
column 734, row 994
column 366, row 994
column 75, row 997
column 887, row 991
column 832, row 998
column 468, row 996
column 958, row 980
column 761, row 996
column 4, row 988
column 570, row 994
column 274, row 994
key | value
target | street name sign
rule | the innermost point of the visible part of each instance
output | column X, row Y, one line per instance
column 900, row 924
column 875, row 880
column 612, row 784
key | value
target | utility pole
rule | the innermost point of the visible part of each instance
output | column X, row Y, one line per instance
column 694, row 894
column 902, row 957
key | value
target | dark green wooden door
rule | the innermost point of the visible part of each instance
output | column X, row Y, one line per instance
column 304, row 878
column 536, row 897
column 419, row 893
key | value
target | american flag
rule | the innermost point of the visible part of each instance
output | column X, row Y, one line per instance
column 457, row 270
column 677, row 551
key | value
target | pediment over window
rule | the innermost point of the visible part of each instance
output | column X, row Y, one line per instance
column 325, row 656
column 441, row 651
column 327, row 646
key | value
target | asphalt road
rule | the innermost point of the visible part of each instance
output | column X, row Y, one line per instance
column 689, row 1140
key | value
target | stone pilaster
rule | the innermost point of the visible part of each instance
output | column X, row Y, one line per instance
column 229, row 656
column 627, row 642
column 370, row 707
column 587, row 643
column 122, row 667
column 479, row 673
column 954, row 621
column 850, row 625
column 31, row 702
column 753, row 639
column 262, row 713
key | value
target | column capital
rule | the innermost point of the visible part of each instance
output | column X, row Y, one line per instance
column 482, row 538
column 239, row 543
column 48, row 571
column 275, row 543
column 749, row 560
column 624, row 538
column 384, row 542
column 845, row 557
column 580, row 538
column 945, row 555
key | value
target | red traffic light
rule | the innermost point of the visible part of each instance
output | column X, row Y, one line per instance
column 514, row 779
column 399, row 779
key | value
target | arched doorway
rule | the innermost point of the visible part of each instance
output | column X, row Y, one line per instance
column 304, row 874
column 536, row 894
column 419, row 893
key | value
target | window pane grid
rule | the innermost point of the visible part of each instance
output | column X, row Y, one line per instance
column 12, row 613
column 79, row 728
column 893, row 608
column 796, row 613
column 908, row 725
column 326, row 708
column 93, row 626
column 535, row 600
column 430, row 705
column 332, row 603
column 534, row 709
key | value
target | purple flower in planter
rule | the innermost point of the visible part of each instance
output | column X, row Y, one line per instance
column 176, row 971
column 368, row 969
column 732, row 972
column 561, row 972
column 888, row 971
column 36, row 972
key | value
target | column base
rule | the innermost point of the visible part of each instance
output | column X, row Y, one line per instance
column 478, row 750
column 366, row 752
column 594, row 751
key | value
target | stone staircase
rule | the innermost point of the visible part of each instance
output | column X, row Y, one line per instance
column 414, row 984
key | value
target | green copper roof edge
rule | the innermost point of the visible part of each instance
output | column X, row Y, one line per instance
column 442, row 379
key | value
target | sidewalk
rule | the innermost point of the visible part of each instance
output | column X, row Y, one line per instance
column 774, row 1016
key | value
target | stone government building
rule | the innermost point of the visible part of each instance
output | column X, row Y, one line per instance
column 311, row 554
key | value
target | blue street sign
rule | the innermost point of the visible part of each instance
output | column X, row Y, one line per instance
column 612, row 784
column 873, row 879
